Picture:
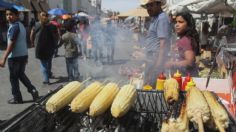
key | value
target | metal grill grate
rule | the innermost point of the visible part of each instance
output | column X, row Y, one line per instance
column 146, row 115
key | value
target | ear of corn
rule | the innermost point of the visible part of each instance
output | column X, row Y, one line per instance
column 83, row 100
column 63, row 97
column 171, row 90
column 123, row 101
column 219, row 114
column 181, row 124
column 197, row 107
column 104, row 99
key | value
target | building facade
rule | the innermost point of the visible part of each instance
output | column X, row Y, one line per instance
column 92, row 7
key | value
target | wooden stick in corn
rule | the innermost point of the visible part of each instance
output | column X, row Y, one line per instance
column 104, row 99
column 83, row 100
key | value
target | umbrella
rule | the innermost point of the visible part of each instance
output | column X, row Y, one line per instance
column 66, row 16
column 4, row 4
column 20, row 8
column 57, row 11
column 81, row 16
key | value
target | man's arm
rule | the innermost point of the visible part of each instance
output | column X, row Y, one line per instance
column 6, row 53
column 13, row 34
column 160, row 55
column 32, row 36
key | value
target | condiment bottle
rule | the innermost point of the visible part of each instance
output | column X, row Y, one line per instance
column 190, row 84
column 160, row 82
column 178, row 78
column 147, row 87
column 186, row 80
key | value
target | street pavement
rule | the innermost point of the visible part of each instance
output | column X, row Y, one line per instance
column 87, row 69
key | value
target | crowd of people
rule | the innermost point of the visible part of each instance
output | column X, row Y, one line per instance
column 80, row 38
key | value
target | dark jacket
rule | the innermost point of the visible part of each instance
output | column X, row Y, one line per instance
column 45, row 40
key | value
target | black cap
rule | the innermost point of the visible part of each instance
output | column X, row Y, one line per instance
column 13, row 10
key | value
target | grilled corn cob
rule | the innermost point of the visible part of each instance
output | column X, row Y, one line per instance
column 171, row 90
column 181, row 124
column 104, row 99
column 219, row 114
column 63, row 97
column 197, row 108
column 123, row 100
column 83, row 100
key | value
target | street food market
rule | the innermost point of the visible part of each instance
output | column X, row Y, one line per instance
column 161, row 66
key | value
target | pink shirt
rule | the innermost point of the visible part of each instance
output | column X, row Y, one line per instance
column 183, row 45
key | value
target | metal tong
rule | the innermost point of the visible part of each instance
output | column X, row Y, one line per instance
column 213, row 65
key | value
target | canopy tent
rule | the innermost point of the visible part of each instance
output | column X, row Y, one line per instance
column 211, row 7
column 203, row 6
column 4, row 5
column 137, row 12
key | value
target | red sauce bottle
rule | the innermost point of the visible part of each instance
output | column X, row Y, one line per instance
column 186, row 80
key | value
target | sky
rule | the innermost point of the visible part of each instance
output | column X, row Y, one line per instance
column 119, row 5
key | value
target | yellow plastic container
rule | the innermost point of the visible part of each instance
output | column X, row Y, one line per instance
column 147, row 87
column 160, row 84
column 190, row 85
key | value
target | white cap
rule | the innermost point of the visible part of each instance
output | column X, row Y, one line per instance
column 145, row 2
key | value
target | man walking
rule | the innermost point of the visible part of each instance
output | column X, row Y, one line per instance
column 43, row 37
column 157, row 39
column 17, row 55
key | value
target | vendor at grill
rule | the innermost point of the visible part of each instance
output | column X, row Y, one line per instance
column 186, row 47
column 157, row 41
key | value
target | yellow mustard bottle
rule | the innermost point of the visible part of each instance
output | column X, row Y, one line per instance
column 190, row 84
column 160, row 82
column 147, row 87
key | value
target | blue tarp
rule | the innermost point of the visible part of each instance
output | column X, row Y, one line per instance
column 4, row 4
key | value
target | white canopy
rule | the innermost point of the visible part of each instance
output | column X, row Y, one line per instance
column 204, row 6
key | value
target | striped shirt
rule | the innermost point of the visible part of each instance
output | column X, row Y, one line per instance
column 160, row 27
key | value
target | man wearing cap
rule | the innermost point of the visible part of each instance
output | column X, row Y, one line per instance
column 157, row 40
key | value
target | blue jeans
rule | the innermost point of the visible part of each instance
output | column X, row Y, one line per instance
column 17, row 72
column 46, row 67
column 72, row 68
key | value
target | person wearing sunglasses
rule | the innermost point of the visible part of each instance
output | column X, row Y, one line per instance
column 157, row 41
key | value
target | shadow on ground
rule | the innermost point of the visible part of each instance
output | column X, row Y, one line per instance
column 60, row 79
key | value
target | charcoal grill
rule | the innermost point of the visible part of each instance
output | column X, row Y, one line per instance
column 147, row 115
